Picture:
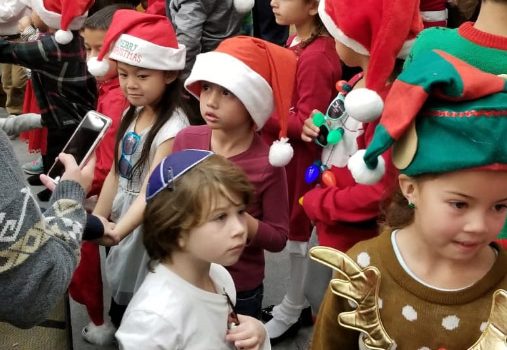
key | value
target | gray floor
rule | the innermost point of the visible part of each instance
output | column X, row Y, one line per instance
column 275, row 282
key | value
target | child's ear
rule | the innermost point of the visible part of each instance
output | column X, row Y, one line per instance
column 408, row 187
column 182, row 242
column 171, row 76
column 314, row 9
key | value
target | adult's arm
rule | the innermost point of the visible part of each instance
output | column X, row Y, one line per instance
column 38, row 251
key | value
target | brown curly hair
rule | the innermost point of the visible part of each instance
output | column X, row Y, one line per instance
column 172, row 213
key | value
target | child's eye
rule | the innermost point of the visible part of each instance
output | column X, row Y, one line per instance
column 500, row 208
column 205, row 87
column 458, row 205
column 220, row 217
column 122, row 75
column 143, row 76
column 226, row 92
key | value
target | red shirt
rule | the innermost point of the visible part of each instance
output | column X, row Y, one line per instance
column 318, row 70
column 270, row 205
column 348, row 213
column 112, row 103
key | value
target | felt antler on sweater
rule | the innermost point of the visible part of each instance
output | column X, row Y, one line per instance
column 494, row 336
column 361, row 286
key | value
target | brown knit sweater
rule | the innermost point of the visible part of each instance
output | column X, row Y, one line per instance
column 415, row 316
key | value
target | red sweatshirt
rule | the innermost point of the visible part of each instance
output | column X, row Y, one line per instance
column 270, row 205
column 348, row 213
column 318, row 70
column 111, row 103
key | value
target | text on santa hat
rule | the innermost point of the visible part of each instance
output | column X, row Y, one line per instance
column 127, row 50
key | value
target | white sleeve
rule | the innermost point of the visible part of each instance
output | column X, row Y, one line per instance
column 147, row 331
column 174, row 125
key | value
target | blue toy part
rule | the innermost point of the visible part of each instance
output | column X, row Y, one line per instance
column 312, row 173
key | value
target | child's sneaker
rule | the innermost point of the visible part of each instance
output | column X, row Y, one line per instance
column 99, row 335
column 34, row 167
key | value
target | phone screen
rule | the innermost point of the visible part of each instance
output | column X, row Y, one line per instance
column 81, row 142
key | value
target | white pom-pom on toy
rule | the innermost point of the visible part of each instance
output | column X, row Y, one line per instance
column 280, row 152
column 243, row 6
column 63, row 36
column 97, row 68
column 364, row 105
column 360, row 171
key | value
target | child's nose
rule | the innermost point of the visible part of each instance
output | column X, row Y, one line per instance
column 131, row 83
column 213, row 98
column 478, row 223
column 238, row 225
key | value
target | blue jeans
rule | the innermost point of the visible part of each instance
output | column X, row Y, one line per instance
column 250, row 302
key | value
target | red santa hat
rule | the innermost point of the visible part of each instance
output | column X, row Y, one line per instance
column 381, row 29
column 64, row 15
column 141, row 40
column 260, row 74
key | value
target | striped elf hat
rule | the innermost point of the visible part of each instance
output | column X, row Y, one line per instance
column 441, row 115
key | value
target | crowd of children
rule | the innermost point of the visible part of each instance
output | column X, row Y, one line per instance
column 397, row 171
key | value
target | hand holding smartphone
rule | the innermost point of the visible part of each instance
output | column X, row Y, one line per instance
column 83, row 142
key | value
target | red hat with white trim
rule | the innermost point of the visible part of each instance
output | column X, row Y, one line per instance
column 381, row 29
column 141, row 40
column 260, row 74
column 64, row 15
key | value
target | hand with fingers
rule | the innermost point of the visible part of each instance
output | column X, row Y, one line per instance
column 83, row 176
column 250, row 334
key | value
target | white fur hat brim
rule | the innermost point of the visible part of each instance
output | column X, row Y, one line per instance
column 233, row 74
column 138, row 52
column 53, row 19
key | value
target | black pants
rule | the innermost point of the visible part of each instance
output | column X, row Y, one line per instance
column 250, row 302
column 57, row 139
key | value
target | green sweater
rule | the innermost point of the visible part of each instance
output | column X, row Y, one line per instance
column 415, row 316
column 482, row 50
column 38, row 251
column 485, row 51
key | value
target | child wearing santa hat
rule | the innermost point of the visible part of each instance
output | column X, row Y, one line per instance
column 318, row 70
column 86, row 285
column 149, row 60
column 372, row 35
column 64, row 89
column 238, row 86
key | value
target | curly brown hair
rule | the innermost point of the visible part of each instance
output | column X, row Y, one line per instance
column 395, row 212
column 172, row 213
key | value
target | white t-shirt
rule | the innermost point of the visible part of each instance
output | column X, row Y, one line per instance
column 169, row 313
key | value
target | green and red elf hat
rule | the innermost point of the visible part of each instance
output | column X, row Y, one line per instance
column 441, row 115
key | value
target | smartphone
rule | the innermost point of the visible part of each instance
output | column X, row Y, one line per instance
column 83, row 142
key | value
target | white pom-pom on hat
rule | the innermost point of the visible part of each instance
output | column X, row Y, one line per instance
column 97, row 68
column 364, row 105
column 280, row 152
column 63, row 36
column 360, row 171
column 243, row 6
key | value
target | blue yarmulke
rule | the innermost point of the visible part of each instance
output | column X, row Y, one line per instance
column 172, row 167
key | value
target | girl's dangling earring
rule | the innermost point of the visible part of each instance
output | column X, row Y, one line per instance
column 411, row 205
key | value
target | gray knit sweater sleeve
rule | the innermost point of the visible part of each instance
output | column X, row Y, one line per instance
column 38, row 252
